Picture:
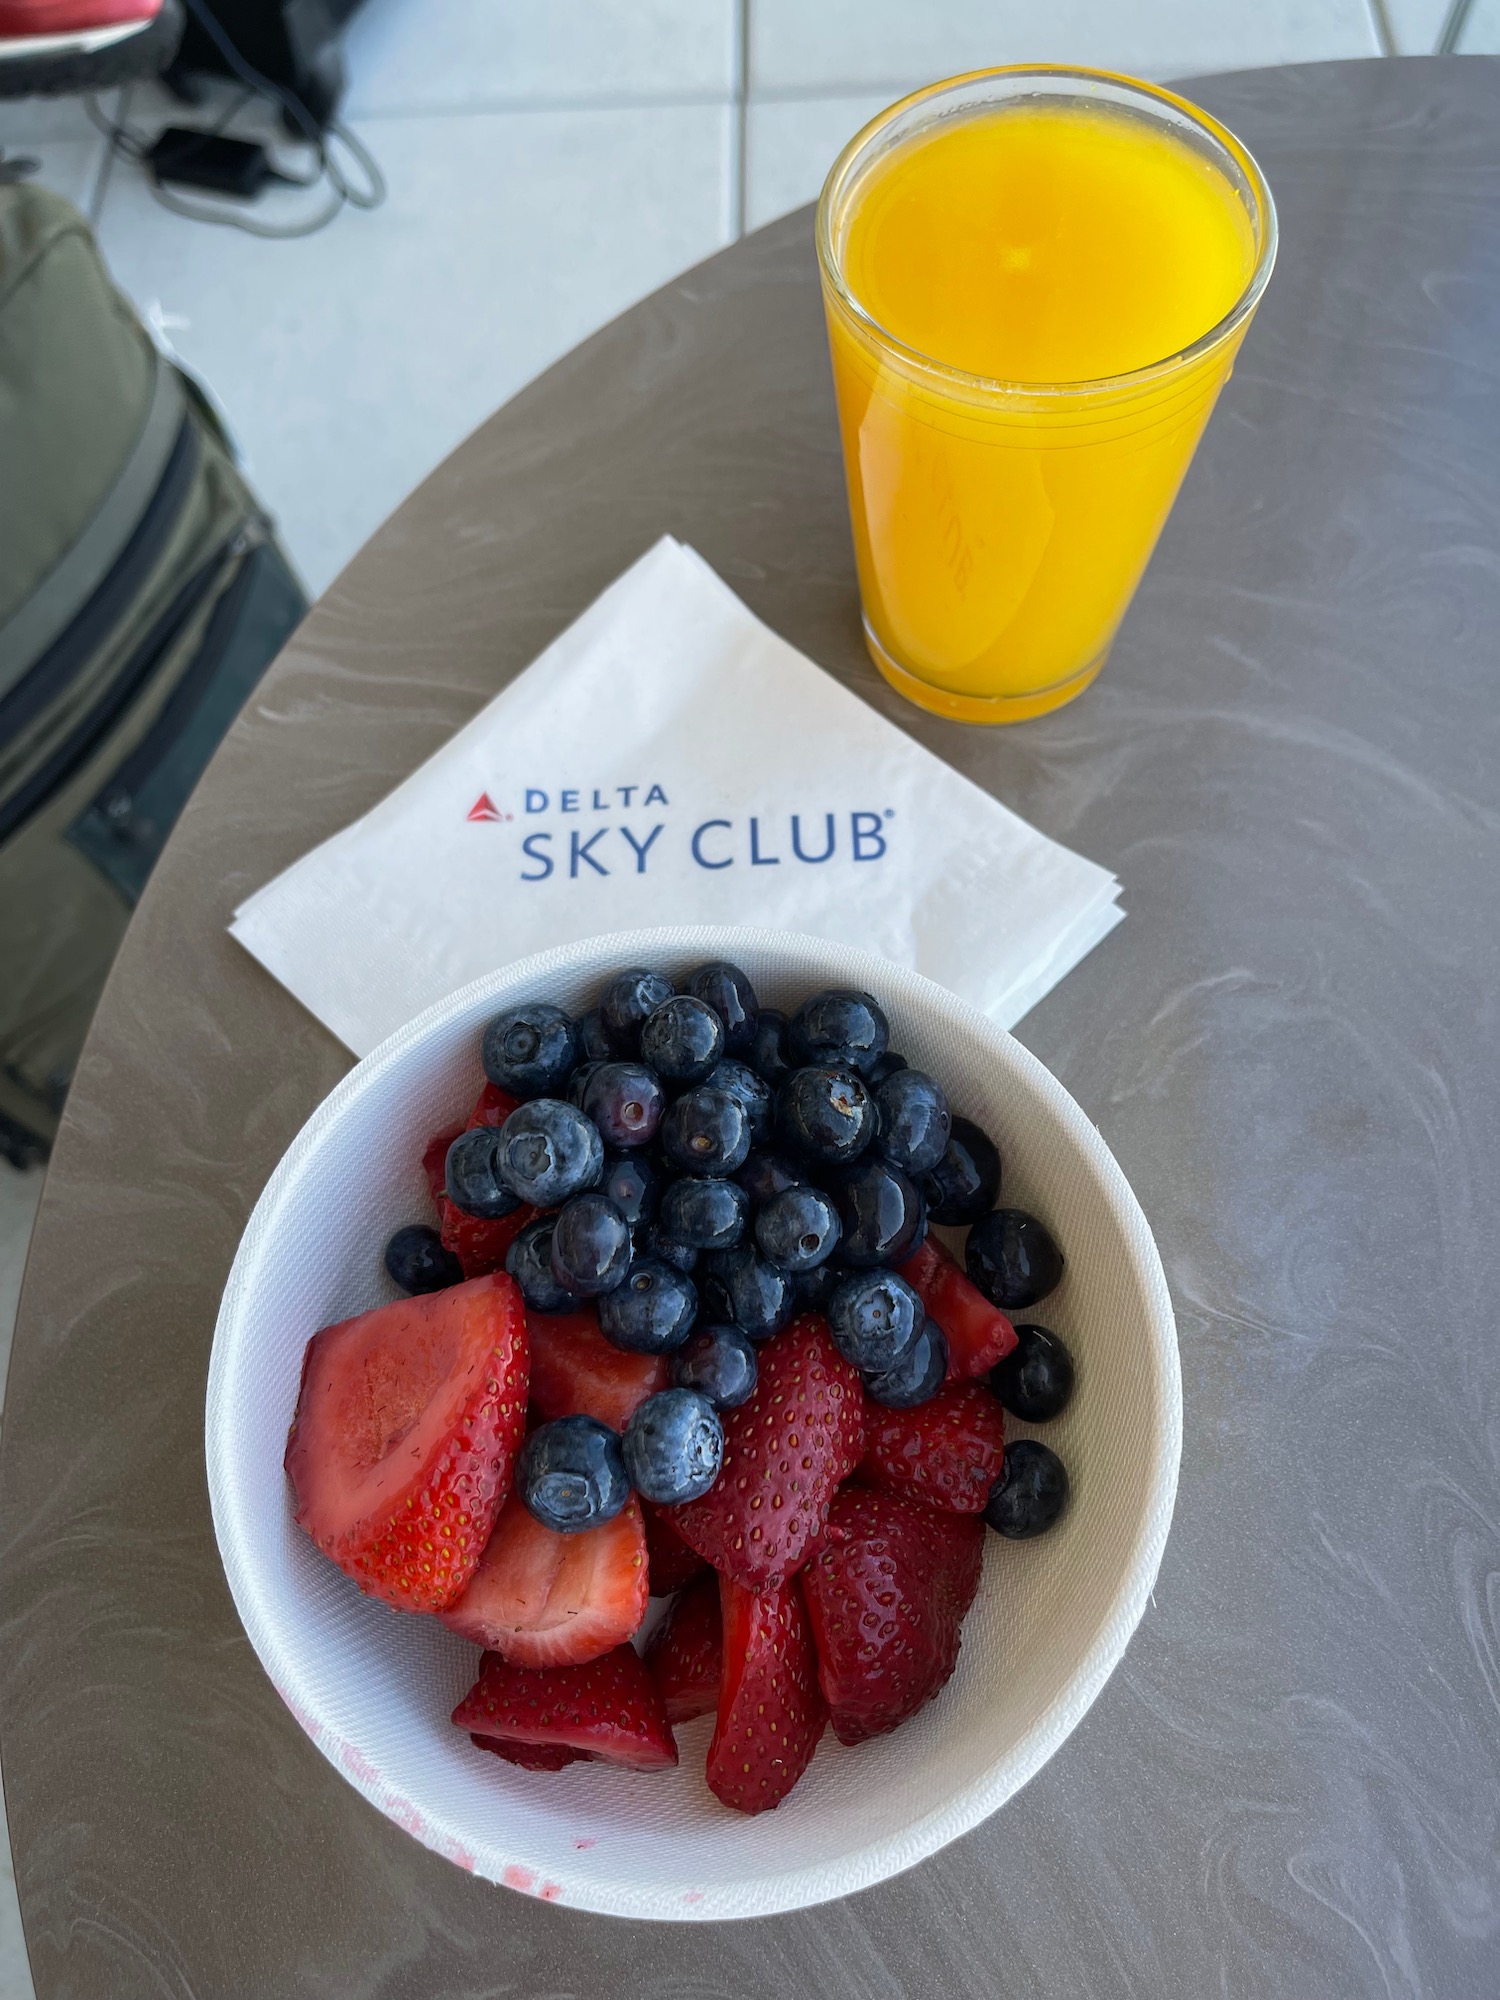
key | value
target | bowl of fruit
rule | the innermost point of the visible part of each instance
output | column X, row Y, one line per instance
column 693, row 1422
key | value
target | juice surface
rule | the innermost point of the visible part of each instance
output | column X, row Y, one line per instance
column 1047, row 244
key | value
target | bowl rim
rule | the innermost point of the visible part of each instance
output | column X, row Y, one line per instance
column 774, row 1892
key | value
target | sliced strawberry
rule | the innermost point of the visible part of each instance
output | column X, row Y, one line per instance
column 686, row 1652
column 670, row 1561
column 607, row 1711
column 530, row 1756
column 575, row 1371
column 480, row 1246
column 786, row 1451
column 885, row 1596
column 435, row 1163
column 492, row 1107
column 978, row 1333
column 771, row 1709
column 947, row 1451
column 407, row 1423
column 544, row 1599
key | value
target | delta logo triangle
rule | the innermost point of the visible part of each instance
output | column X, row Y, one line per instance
column 484, row 807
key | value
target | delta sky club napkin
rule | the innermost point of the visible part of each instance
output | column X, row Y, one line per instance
column 670, row 760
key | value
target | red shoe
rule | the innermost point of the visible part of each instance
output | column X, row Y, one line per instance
column 54, row 47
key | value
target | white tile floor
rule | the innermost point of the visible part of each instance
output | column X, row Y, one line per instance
column 549, row 162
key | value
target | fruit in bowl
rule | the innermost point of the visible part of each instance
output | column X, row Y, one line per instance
column 680, row 1326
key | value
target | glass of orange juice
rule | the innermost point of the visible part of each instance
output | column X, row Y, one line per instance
column 1036, row 281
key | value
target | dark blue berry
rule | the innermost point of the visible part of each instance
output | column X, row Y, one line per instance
column 631, row 1183
column 917, row 1376
column 874, row 1318
column 704, row 1214
column 625, row 1101
column 673, row 1447
column 681, row 1256
column 1035, row 1379
column 881, row 1068
column 417, row 1260
column 1012, row 1258
column 706, row 1132
column 529, row 1262
column 571, row 1474
column 965, row 1183
column 881, row 1213
column 742, row 1288
column 754, row 1095
column 548, row 1150
column 798, row 1230
column 578, row 1083
column 652, row 1312
column 848, row 1029
column 825, row 1113
column 815, row 1288
column 1030, row 1493
column 728, row 991
column 590, row 1246
column 719, row 1362
column 765, row 1175
column 474, row 1174
column 594, row 1044
column 628, row 1000
column 530, row 1050
column 769, row 1054
column 682, row 1040
column 912, row 1120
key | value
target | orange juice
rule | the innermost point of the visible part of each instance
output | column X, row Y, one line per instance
column 1036, row 284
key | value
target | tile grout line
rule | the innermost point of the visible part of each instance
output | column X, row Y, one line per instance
column 1380, row 21
column 739, row 141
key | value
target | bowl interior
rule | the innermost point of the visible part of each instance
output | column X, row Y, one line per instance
column 375, row 1688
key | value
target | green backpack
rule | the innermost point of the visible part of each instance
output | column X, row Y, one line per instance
column 142, row 595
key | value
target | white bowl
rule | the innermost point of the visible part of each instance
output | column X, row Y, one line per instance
column 374, row 1688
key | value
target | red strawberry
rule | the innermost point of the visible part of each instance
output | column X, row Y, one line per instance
column 947, row 1451
column 435, row 1163
column 670, row 1561
column 771, row 1710
column 607, row 1711
column 786, row 1451
column 575, row 1371
column 407, row 1423
column 686, row 1652
column 544, row 1599
column 978, row 1333
column 530, row 1756
column 480, row 1246
column 885, row 1598
column 492, row 1107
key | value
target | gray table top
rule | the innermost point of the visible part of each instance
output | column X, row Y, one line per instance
column 1291, row 1787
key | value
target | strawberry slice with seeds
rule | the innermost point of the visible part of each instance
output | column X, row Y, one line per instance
column 478, row 1245
column 978, row 1333
column 544, row 1599
column 435, row 1164
column 947, row 1451
column 771, row 1709
column 607, row 1711
column 407, row 1424
column 529, row 1756
column 575, row 1371
column 685, row 1655
column 492, row 1107
column 885, row 1597
column 671, row 1563
column 786, row 1452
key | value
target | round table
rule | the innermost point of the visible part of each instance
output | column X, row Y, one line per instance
column 1291, row 1785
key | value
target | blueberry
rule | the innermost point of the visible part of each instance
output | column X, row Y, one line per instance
column 571, row 1474
column 719, row 1362
column 769, row 1055
column 628, row 1000
column 1035, row 1379
column 912, row 1120
column 578, row 1083
column 839, row 1027
column 652, row 1312
column 881, row 1213
column 742, row 1288
column 874, row 1318
column 529, row 1262
column 753, row 1094
column 474, row 1178
column 706, row 1132
column 728, row 991
column 815, row 1288
column 529, row 1050
column 704, row 1214
column 882, row 1067
column 765, row 1175
column 547, row 1150
column 417, row 1260
column 625, row 1101
column 1030, row 1493
column 594, row 1044
column 631, row 1183
column 965, row 1183
column 681, row 1256
column 590, row 1246
column 826, row 1113
column 673, row 1447
column 1012, row 1258
column 682, row 1040
column 798, row 1230
column 917, row 1376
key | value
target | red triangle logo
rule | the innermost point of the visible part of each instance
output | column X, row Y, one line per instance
column 484, row 807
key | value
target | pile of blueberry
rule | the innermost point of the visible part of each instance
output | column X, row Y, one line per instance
column 709, row 1168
